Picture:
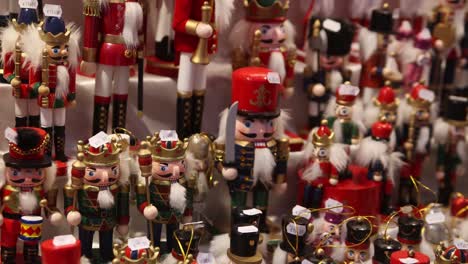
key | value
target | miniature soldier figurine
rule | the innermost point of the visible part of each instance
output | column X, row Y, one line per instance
column 26, row 185
column 252, row 150
column 53, row 53
column 163, row 197
column 110, row 46
column 327, row 231
column 357, row 241
column 196, row 23
column 383, row 248
column 411, row 256
column 16, row 69
column 292, row 248
column 326, row 69
column 410, row 231
column 185, row 250
column 136, row 250
column 419, row 60
column 414, row 122
column 325, row 160
column 376, row 154
column 266, row 38
column 97, row 198
column 379, row 64
column 451, row 254
column 244, row 240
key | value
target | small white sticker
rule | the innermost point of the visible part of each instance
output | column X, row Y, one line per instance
column 331, row 25
column 195, row 225
column 168, row 135
column 406, row 209
column 460, row 244
column 11, row 135
column 247, row 229
column 301, row 211
column 99, row 139
column 458, row 98
column 138, row 243
column 64, row 240
column 253, row 211
column 52, row 10
column 435, row 218
column 409, row 260
column 205, row 258
column 295, row 229
column 348, row 89
column 32, row 4
column 273, row 78
column 305, row 261
column 427, row 95
column 336, row 206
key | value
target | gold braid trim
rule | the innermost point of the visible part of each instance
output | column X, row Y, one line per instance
column 92, row 8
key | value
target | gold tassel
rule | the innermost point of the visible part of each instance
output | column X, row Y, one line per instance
column 92, row 8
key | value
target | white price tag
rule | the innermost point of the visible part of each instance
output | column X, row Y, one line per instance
column 32, row 4
column 11, row 135
column 138, row 243
column 247, row 229
column 331, row 25
column 52, row 10
column 305, row 261
column 435, row 218
column 409, row 260
column 295, row 229
column 195, row 225
column 427, row 95
column 273, row 78
column 336, row 205
column 348, row 89
column 301, row 211
column 458, row 98
column 168, row 135
column 98, row 140
column 253, row 211
column 461, row 244
column 64, row 240
column 406, row 209
column 205, row 258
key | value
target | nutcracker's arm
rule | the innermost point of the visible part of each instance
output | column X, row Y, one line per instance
column 141, row 201
column 290, row 64
column 92, row 13
column 123, row 215
column 9, row 67
column 71, row 96
column 282, row 157
column 69, row 204
column 181, row 21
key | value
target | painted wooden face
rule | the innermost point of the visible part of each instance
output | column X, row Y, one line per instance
column 102, row 176
column 26, row 178
column 57, row 53
column 356, row 255
column 254, row 129
column 273, row 35
column 344, row 112
column 172, row 170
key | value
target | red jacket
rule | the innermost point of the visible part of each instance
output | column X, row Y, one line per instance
column 26, row 90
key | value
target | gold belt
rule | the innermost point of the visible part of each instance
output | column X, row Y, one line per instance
column 114, row 39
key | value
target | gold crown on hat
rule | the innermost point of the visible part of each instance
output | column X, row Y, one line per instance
column 257, row 12
column 441, row 259
column 322, row 141
column 161, row 151
column 148, row 256
column 54, row 40
column 105, row 155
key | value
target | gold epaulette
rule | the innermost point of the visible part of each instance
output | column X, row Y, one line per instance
column 92, row 8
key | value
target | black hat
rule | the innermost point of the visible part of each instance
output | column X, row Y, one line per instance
column 358, row 233
column 409, row 229
column 189, row 239
column 382, row 20
column 339, row 37
column 383, row 249
column 27, row 148
column 295, row 231
column 244, row 241
column 245, row 215
column 456, row 108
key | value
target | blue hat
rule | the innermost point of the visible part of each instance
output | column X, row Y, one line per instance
column 28, row 16
column 54, row 25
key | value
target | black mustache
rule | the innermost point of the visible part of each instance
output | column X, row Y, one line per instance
column 254, row 135
column 23, row 180
column 18, row 181
column 267, row 41
column 165, row 175
column 111, row 180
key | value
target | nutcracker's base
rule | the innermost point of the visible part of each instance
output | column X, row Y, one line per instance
column 160, row 67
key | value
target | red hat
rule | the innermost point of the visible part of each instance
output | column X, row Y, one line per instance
column 323, row 136
column 398, row 257
column 346, row 94
column 420, row 96
column 381, row 130
column 459, row 206
column 386, row 98
column 61, row 250
column 27, row 148
column 405, row 30
column 257, row 91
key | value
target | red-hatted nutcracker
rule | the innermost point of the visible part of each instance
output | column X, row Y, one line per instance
column 196, row 24
column 111, row 44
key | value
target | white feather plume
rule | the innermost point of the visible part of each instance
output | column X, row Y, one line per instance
column 33, row 46
column 441, row 131
column 280, row 256
column 312, row 172
column 8, row 38
column 290, row 33
column 368, row 43
column 63, row 82
column 404, row 113
column 223, row 13
column 177, row 197
column 218, row 247
column 264, row 164
column 371, row 115
column 281, row 123
column 74, row 45
column 422, row 140
column 370, row 151
column 339, row 157
column 133, row 23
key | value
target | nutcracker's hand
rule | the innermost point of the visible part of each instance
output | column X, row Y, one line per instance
column 204, row 30
column 55, row 218
column 288, row 92
column 408, row 146
column 16, row 83
column 229, row 173
column 439, row 45
column 318, row 89
column 44, row 90
column 74, row 218
column 440, row 175
column 122, row 230
column 377, row 176
column 150, row 212
column 333, row 181
column 88, row 68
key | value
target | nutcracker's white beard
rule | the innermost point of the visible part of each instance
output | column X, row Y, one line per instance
column 63, row 82
column 264, row 164
column 28, row 202
column 105, row 199
column 277, row 64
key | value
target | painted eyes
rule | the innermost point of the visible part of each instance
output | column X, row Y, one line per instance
column 350, row 254
column 15, row 172
column 270, row 123
column 91, row 173
column 363, row 255
column 248, row 124
column 344, row 111
column 322, row 153
column 163, row 168
column 56, row 50
column 115, row 171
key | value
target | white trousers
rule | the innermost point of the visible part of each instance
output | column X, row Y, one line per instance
column 53, row 117
column 26, row 107
column 191, row 76
column 111, row 79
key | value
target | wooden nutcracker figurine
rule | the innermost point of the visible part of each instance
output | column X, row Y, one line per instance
column 97, row 199
column 325, row 160
column 383, row 248
column 16, row 66
column 419, row 60
column 450, row 137
column 26, row 185
column 379, row 64
column 53, row 53
column 357, row 241
column 266, row 38
column 409, row 256
column 185, row 249
column 450, row 254
column 252, row 150
column 110, row 46
column 136, row 250
column 244, row 241
column 376, row 154
column 196, row 23
column 163, row 196
column 329, row 42
column 410, row 231
column 414, row 122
